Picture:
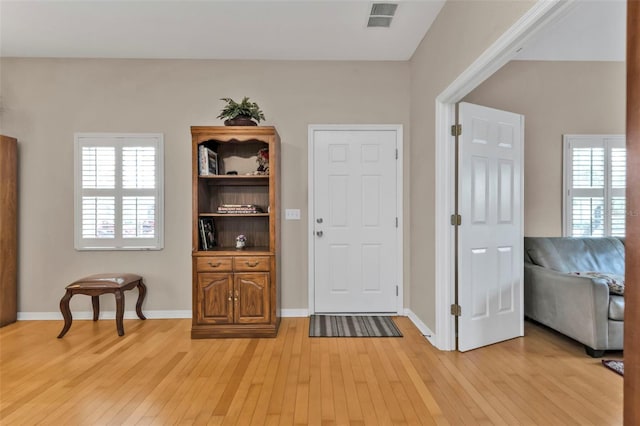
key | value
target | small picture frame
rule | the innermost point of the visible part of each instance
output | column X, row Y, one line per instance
column 207, row 233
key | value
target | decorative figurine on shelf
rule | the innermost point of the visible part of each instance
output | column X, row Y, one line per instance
column 263, row 161
column 241, row 241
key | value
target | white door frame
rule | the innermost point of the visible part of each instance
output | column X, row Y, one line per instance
column 399, row 203
column 498, row 54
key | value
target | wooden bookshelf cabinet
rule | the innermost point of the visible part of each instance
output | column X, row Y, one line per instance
column 236, row 291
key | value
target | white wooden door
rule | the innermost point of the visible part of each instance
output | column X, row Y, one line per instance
column 354, row 221
column 490, row 238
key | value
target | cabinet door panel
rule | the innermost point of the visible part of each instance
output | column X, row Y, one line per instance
column 215, row 298
column 252, row 298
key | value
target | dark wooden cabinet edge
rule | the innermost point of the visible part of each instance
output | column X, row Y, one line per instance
column 9, row 228
column 233, row 331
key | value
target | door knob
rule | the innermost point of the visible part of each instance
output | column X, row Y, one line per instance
column 319, row 220
column 319, row 233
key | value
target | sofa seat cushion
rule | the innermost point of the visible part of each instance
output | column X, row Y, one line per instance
column 616, row 308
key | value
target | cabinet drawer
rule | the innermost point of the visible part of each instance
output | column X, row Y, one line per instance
column 207, row 264
column 251, row 263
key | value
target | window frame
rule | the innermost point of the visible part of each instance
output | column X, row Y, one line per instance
column 119, row 141
column 607, row 142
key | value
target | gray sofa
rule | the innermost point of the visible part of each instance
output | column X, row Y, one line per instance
column 577, row 306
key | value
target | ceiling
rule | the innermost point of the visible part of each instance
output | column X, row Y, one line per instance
column 590, row 31
column 211, row 29
column 267, row 29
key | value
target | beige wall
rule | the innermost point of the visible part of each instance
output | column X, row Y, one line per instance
column 47, row 100
column 462, row 31
column 556, row 98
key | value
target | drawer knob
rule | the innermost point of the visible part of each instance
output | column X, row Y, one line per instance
column 252, row 264
column 214, row 265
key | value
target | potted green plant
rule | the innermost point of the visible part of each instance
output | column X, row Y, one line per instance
column 241, row 114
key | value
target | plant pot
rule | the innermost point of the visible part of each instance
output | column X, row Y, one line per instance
column 241, row 120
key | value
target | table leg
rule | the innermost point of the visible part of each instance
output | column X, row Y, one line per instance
column 66, row 313
column 95, row 301
column 142, row 292
column 119, row 311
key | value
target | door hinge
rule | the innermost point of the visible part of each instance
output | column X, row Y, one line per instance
column 397, row 291
column 456, row 130
column 456, row 220
column 456, row 310
column 396, row 153
column 396, row 222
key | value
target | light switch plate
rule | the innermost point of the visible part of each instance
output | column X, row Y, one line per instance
column 292, row 214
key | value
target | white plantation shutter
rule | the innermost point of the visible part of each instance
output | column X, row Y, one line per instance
column 594, row 185
column 618, row 175
column 138, row 167
column 98, row 217
column 138, row 217
column 586, row 215
column 98, row 173
column 98, row 167
column 119, row 194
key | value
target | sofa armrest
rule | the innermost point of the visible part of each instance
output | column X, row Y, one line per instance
column 575, row 306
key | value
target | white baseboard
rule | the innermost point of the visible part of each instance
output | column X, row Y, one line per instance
column 426, row 332
column 109, row 315
column 294, row 313
column 87, row 315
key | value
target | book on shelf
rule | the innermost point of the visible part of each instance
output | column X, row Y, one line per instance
column 238, row 212
column 208, row 161
column 203, row 236
column 207, row 233
column 239, row 208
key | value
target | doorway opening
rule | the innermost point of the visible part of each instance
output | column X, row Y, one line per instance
column 503, row 50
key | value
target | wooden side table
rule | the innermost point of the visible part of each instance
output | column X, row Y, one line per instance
column 94, row 286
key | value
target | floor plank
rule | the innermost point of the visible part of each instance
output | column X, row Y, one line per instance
column 156, row 374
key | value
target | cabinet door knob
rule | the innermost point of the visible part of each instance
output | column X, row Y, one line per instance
column 214, row 265
column 319, row 233
column 230, row 296
column 252, row 264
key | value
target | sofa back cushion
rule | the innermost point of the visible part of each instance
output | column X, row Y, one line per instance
column 567, row 254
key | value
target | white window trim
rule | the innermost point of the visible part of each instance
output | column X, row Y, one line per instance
column 119, row 243
column 569, row 141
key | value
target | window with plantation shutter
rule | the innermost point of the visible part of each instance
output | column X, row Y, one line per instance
column 594, row 185
column 118, row 191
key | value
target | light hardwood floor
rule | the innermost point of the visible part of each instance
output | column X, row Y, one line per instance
column 156, row 374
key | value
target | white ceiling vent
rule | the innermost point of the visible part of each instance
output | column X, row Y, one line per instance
column 382, row 14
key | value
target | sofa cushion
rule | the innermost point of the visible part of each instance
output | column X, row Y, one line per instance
column 568, row 255
column 616, row 308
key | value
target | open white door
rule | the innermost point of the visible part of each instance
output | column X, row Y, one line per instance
column 355, row 220
column 490, row 237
